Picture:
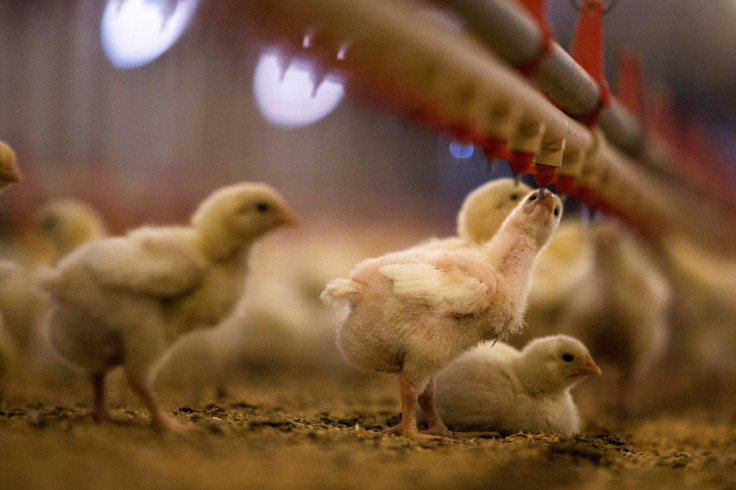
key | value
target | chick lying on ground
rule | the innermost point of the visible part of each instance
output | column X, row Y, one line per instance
column 498, row 388
column 415, row 311
column 123, row 301
column 619, row 310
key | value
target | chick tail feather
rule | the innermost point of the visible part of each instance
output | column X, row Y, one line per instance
column 341, row 291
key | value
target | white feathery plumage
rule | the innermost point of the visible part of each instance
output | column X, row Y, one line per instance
column 413, row 312
column 123, row 301
column 499, row 388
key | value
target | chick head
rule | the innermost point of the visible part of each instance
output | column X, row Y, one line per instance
column 68, row 223
column 558, row 362
column 485, row 209
column 538, row 216
column 9, row 171
column 234, row 216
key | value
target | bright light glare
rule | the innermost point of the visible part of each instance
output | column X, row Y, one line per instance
column 136, row 32
column 461, row 150
column 291, row 101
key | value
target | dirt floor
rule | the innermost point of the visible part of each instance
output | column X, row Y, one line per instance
column 300, row 430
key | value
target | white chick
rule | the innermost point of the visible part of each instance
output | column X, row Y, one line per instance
column 123, row 301
column 482, row 213
column 499, row 388
column 9, row 172
column 619, row 310
column 415, row 311
column 68, row 223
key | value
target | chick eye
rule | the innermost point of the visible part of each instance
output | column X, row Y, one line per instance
column 533, row 197
column 567, row 357
column 514, row 197
column 557, row 211
column 261, row 207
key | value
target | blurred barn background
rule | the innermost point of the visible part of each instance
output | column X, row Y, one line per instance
column 144, row 139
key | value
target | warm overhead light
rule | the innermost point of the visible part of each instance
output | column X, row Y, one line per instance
column 286, row 94
column 135, row 32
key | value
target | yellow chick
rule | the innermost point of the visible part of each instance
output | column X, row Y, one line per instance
column 68, row 223
column 9, row 172
column 125, row 300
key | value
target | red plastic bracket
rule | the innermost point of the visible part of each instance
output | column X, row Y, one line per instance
column 628, row 82
column 497, row 148
column 587, row 50
column 522, row 162
column 545, row 175
column 565, row 184
column 538, row 10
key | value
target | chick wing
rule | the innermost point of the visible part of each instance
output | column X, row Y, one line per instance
column 160, row 262
column 448, row 290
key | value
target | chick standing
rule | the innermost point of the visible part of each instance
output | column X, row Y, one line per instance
column 123, row 301
column 499, row 388
column 415, row 311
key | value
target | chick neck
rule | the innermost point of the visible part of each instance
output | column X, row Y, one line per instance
column 535, row 380
column 220, row 245
column 512, row 252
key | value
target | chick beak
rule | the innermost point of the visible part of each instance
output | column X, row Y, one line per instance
column 548, row 201
column 589, row 367
column 287, row 218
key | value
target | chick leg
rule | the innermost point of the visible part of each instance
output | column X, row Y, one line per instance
column 426, row 401
column 408, row 425
column 99, row 409
column 159, row 419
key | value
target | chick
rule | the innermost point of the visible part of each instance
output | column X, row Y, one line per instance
column 482, row 213
column 9, row 172
column 499, row 388
column 415, row 311
column 68, row 223
column 123, row 301
column 619, row 310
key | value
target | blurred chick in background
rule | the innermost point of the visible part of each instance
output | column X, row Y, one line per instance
column 618, row 308
column 124, row 301
column 561, row 264
column 413, row 312
column 499, row 388
column 482, row 213
column 66, row 223
column 703, row 340
column 9, row 171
